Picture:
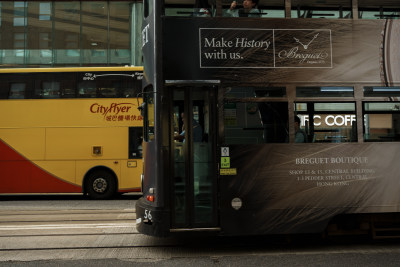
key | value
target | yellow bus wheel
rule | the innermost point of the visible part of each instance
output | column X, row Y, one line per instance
column 100, row 184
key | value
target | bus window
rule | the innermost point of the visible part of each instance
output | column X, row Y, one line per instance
column 148, row 8
column 107, row 89
column 198, row 8
column 148, row 118
column 276, row 11
column 126, row 92
column 135, row 142
column 87, row 89
column 376, row 91
column 264, row 9
column 49, row 90
column 126, row 87
column 367, row 13
column 68, row 88
column 341, row 10
column 17, row 91
column 382, row 121
column 328, row 122
column 325, row 91
column 270, row 92
column 106, row 86
column 378, row 10
column 246, row 9
column 253, row 122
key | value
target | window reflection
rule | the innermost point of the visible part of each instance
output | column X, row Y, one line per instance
column 94, row 32
column 87, row 89
column 382, row 121
column 328, row 122
column 119, row 28
column 339, row 9
column 17, row 91
column 379, row 14
column 19, row 40
column 250, row 117
column 315, row 13
column 50, row 89
column 44, row 11
column 378, row 9
column 371, row 91
column 69, row 32
column 19, row 14
column 325, row 91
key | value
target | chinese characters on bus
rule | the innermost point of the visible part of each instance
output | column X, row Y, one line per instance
column 116, row 111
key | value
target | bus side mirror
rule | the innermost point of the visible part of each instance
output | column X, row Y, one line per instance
column 141, row 108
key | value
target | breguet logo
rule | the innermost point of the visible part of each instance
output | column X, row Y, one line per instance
column 311, row 56
column 304, row 48
column 306, row 45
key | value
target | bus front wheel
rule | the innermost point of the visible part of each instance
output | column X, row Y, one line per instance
column 100, row 184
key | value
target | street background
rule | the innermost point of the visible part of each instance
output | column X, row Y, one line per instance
column 71, row 230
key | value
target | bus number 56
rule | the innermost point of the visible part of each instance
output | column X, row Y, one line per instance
column 147, row 215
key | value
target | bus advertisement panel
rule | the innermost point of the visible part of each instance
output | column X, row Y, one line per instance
column 276, row 50
column 271, row 126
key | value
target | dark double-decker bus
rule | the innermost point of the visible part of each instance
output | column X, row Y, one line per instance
column 279, row 119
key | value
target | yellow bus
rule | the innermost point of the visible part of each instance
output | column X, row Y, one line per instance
column 71, row 130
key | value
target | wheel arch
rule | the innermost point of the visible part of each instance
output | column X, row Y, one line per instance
column 98, row 168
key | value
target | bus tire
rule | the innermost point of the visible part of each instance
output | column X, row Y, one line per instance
column 100, row 184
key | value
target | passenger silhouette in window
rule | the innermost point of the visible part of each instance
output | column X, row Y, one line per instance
column 249, row 9
column 300, row 135
column 197, row 131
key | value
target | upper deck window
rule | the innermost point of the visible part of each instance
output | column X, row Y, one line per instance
column 147, row 7
column 188, row 12
column 340, row 9
column 198, row 8
column 325, row 91
column 384, row 9
column 262, row 9
column 50, row 85
column 87, row 89
column 381, row 91
column 321, row 14
column 17, row 91
column 366, row 13
column 49, row 89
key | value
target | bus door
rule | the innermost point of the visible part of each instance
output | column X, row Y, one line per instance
column 194, row 184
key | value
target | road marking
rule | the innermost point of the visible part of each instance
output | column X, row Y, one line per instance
column 65, row 226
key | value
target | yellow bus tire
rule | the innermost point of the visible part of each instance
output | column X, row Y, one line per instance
column 100, row 184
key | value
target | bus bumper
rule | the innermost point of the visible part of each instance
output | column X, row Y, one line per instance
column 151, row 220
